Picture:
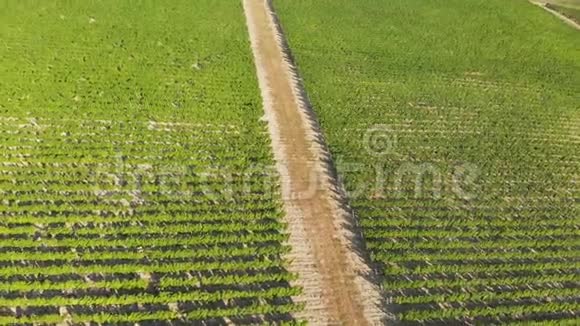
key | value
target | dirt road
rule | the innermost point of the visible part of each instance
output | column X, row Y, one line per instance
column 335, row 289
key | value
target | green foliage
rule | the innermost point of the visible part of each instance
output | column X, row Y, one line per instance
column 487, row 87
column 134, row 169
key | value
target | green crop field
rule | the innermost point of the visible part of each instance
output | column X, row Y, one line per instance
column 134, row 173
column 455, row 125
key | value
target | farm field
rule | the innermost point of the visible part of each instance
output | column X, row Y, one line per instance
column 455, row 127
column 134, row 172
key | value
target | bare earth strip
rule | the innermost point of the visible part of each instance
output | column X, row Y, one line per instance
column 339, row 284
column 557, row 14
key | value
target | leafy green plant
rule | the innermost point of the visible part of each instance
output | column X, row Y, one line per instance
column 458, row 91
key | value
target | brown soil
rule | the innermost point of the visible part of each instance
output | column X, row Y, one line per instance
column 551, row 9
column 340, row 295
column 557, row 9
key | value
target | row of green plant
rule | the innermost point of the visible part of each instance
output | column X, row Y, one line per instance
column 452, row 125
column 134, row 168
